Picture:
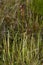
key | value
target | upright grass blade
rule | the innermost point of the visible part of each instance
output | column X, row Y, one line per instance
column 8, row 43
column 13, row 52
column 8, row 47
column 32, row 41
column 4, row 50
column 24, row 48
column 39, row 41
column 13, row 49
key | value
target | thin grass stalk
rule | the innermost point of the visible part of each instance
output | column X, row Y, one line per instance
column 13, row 51
column 23, row 49
column 36, row 21
column 31, row 44
column 19, row 51
column 39, row 41
column 4, row 50
column 18, row 14
column 27, row 57
column 27, row 3
column 13, row 48
column 20, row 58
column 24, row 45
column 8, row 43
column 8, row 48
column 37, row 51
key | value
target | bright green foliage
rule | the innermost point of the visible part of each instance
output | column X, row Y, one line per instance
column 37, row 5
